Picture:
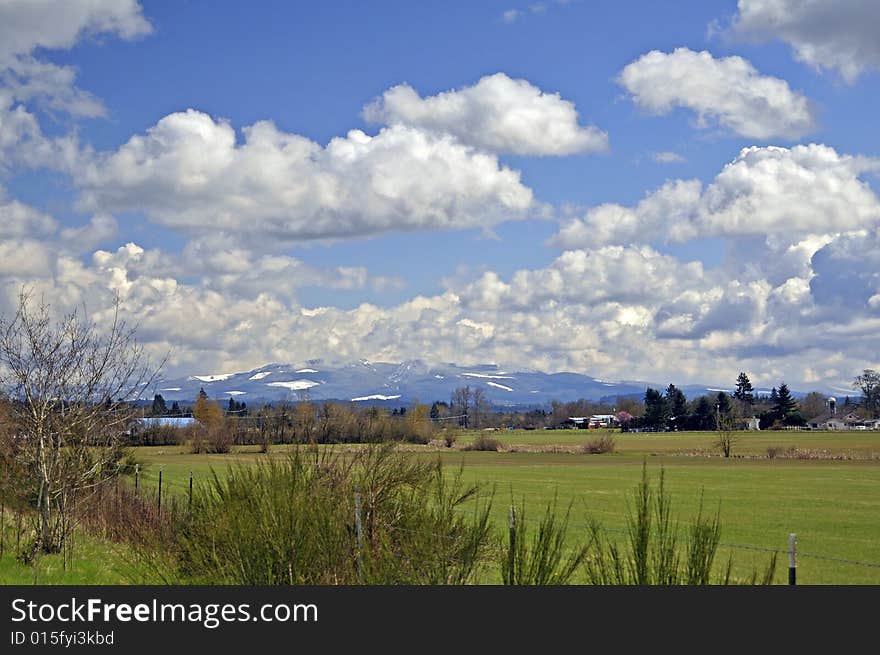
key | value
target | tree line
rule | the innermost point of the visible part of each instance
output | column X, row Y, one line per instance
column 670, row 410
column 234, row 423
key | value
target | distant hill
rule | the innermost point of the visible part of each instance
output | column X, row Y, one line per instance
column 400, row 384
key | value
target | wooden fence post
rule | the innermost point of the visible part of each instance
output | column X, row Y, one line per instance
column 511, row 564
column 360, row 535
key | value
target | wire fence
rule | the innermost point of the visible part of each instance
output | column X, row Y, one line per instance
column 735, row 546
column 147, row 481
column 791, row 552
column 151, row 483
column 722, row 544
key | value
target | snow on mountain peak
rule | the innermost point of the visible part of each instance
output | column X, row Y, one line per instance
column 217, row 377
column 375, row 396
column 294, row 385
column 488, row 376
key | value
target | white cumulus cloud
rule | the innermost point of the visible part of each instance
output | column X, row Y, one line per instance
column 836, row 35
column 498, row 114
column 728, row 90
column 782, row 192
column 26, row 81
column 188, row 171
column 616, row 311
column 25, row 26
column 20, row 220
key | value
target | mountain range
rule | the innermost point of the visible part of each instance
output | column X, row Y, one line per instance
column 400, row 384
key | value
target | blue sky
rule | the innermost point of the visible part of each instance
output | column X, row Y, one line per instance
column 641, row 239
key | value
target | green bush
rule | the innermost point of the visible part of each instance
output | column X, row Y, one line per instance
column 540, row 558
column 484, row 443
column 294, row 522
column 653, row 554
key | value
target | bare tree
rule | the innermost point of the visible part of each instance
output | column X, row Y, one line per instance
column 814, row 404
column 460, row 402
column 71, row 387
column 481, row 408
column 283, row 420
column 726, row 434
column 869, row 384
column 304, row 421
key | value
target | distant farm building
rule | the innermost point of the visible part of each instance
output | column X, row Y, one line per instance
column 591, row 422
column 834, row 419
column 163, row 421
column 848, row 421
column 603, row 420
column 748, row 423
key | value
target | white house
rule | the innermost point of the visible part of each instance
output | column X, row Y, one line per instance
column 603, row 420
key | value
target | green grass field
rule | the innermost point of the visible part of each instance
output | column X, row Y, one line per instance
column 93, row 562
column 863, row 444
column 832, row 505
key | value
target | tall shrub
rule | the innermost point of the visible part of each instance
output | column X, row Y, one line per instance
column 293, row 521
column 653, row 554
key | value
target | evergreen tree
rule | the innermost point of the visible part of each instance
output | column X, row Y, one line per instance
column 656, row 410
column 231, row 408
column 785, row 406
column 159, row 408
column 175, row 409
column 703, row 418
column 722, row 407
column 202, row 394
column 677, row 403
column 744, row 392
